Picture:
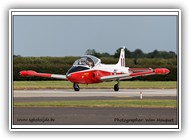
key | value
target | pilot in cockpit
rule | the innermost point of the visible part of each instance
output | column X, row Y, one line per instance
column 90, row 62
column 82, row 62
column 85, row 62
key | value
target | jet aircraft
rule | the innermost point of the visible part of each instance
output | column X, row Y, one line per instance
column 89, row 69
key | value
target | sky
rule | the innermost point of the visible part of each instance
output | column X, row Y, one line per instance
column 73, row 35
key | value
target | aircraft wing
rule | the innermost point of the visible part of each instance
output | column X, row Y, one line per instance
column 47, row 75
column 114, row 77
column 135, row 72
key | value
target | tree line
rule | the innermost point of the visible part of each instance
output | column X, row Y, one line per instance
column 138, row 53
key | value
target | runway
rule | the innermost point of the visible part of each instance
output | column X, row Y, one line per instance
column 94, row 93
column 95, row 115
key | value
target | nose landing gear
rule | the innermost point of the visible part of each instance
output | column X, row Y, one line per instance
column 76, row 87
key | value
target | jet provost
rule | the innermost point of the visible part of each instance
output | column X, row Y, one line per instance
column 88, row 70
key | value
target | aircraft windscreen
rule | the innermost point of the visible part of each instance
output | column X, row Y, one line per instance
column 87, row 60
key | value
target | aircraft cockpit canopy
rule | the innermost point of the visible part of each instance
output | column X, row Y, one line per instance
column 87, row 61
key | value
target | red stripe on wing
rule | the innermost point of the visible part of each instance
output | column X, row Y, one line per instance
column 34, row 73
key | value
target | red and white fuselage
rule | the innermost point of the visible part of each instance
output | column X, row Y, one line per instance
column 93, row 75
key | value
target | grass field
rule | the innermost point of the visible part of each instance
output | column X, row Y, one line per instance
column 102, row 103
column 106, row 85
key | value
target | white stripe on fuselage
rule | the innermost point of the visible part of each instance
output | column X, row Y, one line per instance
column 112, row 68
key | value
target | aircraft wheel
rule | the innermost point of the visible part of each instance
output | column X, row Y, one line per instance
column 76, row 87
column 116, row 87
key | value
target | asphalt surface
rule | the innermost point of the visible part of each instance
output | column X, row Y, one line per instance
column 95, row 115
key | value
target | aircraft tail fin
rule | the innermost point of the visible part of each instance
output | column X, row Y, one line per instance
column 121, row 61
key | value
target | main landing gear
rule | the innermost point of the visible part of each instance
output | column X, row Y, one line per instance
column 76, row 87
column 116, row 86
